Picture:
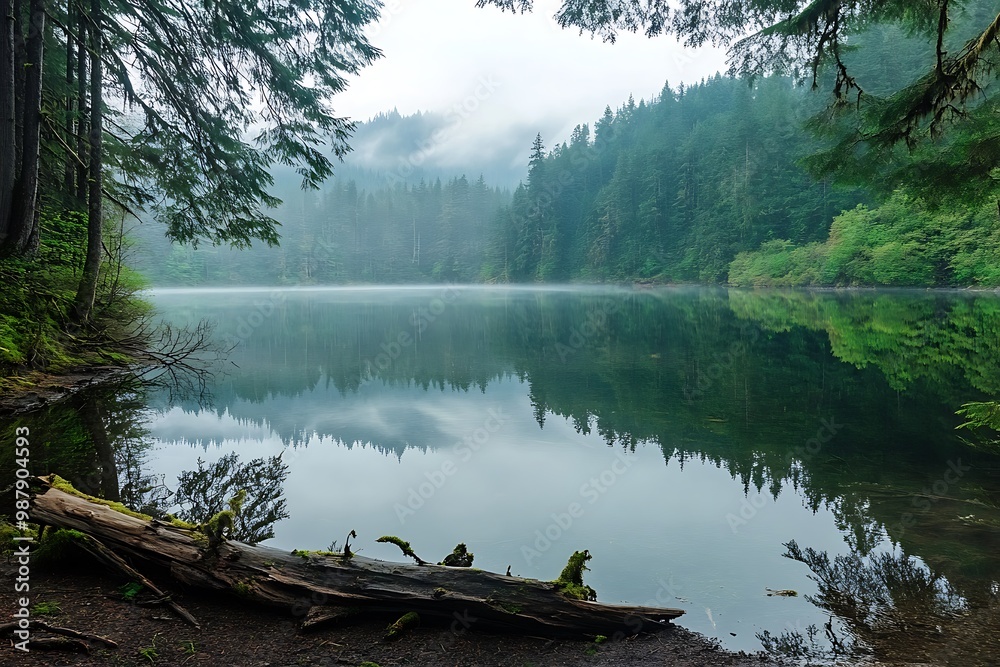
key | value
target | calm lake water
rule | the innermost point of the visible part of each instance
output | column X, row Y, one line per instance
column 682, row 435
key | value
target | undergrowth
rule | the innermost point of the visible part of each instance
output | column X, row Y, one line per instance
column 36, row 331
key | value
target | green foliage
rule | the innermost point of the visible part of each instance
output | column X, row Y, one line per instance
column 151, row 652
column 982, row 418
column 459, row 557
column 902, row 242
column 779, row 264
column 909, row 338
column 59, row 548
column 938, row 84
column 570, row 581
column 705, row 183
column 7, row 534
column 981, row 415
column 307, row 553
column 47, row 608
column 220, row 526
column 242, row 499
column 403, row 545
column 131, row 590
column 429, row 232
column 64, row 486
column 39, row 293
column 406, row 622
column 198, row 152
column 671, row 190
column 242, row 588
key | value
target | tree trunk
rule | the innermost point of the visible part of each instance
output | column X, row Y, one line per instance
column 68, row 128
column 81, row 107
column 301, row 584
column 21, row 228
column 8, row 153
column 84, row 303
column 18, row 81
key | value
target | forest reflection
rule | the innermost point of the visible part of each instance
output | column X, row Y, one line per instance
column 745, row 381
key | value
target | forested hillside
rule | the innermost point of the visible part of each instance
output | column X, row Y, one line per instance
column 749, row 182
column 670, row 189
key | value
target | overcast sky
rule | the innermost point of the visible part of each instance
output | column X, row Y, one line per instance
column 505, row 76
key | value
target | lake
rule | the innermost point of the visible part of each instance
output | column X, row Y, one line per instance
column 682, row 435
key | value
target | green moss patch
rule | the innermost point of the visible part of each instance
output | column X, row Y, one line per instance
column 58, row 482
column 570, row 581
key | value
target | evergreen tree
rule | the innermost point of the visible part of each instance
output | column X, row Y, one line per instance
column 197, row 79
column 804, row 37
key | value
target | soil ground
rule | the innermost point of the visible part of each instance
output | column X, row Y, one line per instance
column 238, row 635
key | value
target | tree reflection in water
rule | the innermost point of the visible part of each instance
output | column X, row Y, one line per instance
column 205, row 492
column 99, row 441
column 890, row 607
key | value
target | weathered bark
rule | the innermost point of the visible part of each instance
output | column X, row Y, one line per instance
column 22, row 224
column 8, row 152
column 81, row 107
column 18, row 80
column 83, row 304
column 304, row 584
column 68, row 128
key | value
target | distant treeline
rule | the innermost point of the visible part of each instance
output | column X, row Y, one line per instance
column 671, row 189
column 705, row 183
column 429, row 232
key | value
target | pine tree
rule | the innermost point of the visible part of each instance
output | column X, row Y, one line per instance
column 810, row 37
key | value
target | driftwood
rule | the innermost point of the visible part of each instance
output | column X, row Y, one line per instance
column 105, row 555
column 55, row 643
column 305, row 584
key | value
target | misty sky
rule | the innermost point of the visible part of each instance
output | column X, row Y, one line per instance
column 502, row 77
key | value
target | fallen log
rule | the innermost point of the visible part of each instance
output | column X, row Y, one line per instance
column 304, row 582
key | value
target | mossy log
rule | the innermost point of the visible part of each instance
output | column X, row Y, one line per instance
column 301, row 583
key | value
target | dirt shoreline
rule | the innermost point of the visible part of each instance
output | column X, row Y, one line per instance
column 238, row 635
